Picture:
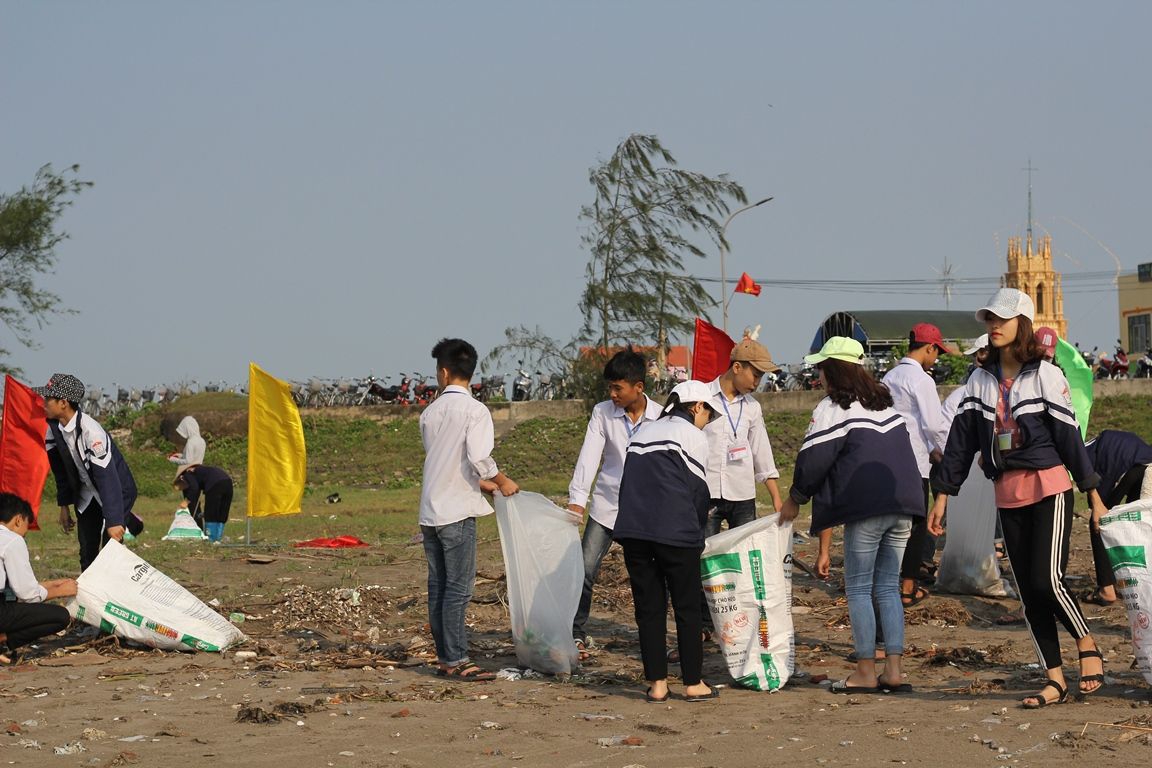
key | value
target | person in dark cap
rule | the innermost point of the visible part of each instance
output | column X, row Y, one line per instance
column 91, row 474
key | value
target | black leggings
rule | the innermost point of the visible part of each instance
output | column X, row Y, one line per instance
column 657, row 571
column 25, row 622
column 1036, row 539
column 1127, row 490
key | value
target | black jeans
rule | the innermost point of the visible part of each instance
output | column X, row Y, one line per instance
column 921, row 544
column 90, row 532
column 657, row 571
column 26, row 622
column 1036, row 538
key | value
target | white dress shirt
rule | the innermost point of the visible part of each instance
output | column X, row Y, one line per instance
column 739, row 452
column 605, row 448
column 458, row 440
column 915, row 398
column 16, row 570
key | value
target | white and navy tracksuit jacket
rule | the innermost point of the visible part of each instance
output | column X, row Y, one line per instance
column 89, row 467
column 663, row 494
column 1041, row 404
column 855, row 463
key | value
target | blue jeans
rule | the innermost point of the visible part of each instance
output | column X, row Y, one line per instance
column 451, row 553
column 595, row 543
column 873, row 549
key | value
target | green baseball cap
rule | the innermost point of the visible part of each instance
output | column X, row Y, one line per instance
column 838, row 348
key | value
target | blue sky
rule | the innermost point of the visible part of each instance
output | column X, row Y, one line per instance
column 327, row 189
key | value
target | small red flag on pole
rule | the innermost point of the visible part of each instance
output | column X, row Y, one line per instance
column 23, row 461
column 710, row 351
column 747, row 285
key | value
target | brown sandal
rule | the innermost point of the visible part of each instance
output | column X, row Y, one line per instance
column 468, row 672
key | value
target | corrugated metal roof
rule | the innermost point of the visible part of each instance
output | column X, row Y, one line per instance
column 890, row 326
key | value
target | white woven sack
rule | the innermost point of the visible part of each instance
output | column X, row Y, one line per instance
column 184, row 528
column 122, row 594
column 1127, row 534
column 747, row 576
column 545, row 572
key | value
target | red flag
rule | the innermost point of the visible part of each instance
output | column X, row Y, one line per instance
column 23, row 461
column 747, row 285
column 710, row 351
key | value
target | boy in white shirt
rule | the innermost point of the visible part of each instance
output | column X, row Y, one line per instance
column 458, row 438
column 31, row 618
column 611, row 427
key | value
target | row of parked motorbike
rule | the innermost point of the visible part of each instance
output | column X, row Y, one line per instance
column 1118, row 365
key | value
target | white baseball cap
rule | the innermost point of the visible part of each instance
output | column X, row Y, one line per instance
column 1008, row 303
column 693, row 391
column 977, row 345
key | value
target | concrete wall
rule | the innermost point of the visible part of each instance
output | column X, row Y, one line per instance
column 507, row 415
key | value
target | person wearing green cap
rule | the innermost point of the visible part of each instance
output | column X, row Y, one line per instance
column 857, row 466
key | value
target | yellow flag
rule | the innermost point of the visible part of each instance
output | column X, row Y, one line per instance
column 276, row 454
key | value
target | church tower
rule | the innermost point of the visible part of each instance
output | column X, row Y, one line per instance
column 1031, row 271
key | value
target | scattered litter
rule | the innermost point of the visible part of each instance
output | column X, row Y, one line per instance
column 74, row 748
column 138, row 737
column 620, row 741
column 93, row 734
column 590, row 716
column 488, row 725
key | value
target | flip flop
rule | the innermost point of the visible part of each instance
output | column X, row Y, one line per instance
column 1043, row 702
column 1097, row 599
column 714, row 693
column 468, row 673
column 885, row 687
column 648, row 697
column 841, row 686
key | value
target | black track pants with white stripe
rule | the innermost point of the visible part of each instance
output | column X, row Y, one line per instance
column 1036, row 539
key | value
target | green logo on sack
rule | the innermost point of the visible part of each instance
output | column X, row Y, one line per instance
column 770, row 671
column 1127, row 557
column 756, row 563
column 198, row 644
column 1123, row 517
column 121, row 612
column 714, row 565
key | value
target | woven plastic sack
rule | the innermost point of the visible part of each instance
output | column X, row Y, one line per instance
column 968, row 564
column 1127, row 534
column 123, row 595
column 747, row 576
column 184, row 528
column 545, row 572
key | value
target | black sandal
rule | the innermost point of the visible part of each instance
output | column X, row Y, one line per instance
column 915, row 597
column 1041, row 702
column 1092, row 654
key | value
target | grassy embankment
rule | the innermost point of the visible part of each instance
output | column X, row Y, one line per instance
column 376, row 469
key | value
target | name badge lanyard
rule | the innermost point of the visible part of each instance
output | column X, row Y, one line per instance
column 632, row 430
column 739, row 416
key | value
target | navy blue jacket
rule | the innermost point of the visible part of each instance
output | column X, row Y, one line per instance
column 854, row 464
column 1113, row 454
column 101, row 461
column 663, row 494
column 1042, row 407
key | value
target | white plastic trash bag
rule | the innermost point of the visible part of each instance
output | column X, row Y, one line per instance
column 968, row 565
column 184, row 528
column 1127, row 534
column 747, row 576
column 545, row 571
column 122, row 594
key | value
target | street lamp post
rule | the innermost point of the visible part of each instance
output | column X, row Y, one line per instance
column 724, row 250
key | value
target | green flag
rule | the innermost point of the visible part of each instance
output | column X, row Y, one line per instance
column 1079, row 377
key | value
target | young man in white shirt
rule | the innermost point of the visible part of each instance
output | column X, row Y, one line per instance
column 914, row 397
column 458, row 438
column 739, row 452
column 31, row 618
column 611, row 427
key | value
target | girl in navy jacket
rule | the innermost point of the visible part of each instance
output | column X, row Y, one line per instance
column 663, row 506
column 1017, row 413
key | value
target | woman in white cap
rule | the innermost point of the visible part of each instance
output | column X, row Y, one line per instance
column 663, row 507
column 1017, row 412
column 857, row 466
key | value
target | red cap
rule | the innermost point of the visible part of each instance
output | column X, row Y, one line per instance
column 926, row 333
column 1046, row 338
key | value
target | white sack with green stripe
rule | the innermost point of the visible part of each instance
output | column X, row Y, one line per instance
column 1127, row 534
column 747, row 576
column 123, row 595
